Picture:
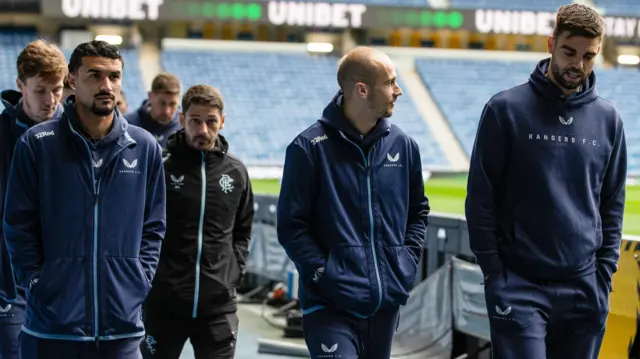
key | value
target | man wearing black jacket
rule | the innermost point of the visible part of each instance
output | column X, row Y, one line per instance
column 209, row 217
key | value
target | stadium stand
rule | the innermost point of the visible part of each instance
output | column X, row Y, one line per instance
column 11, row 43
column 462, row 105
column 271, row 97
column 619, row 7
column 522, row 5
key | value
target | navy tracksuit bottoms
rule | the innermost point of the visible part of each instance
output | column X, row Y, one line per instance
column 533, row 319
column 37, row 348
column 330, row 334
column 11, row 319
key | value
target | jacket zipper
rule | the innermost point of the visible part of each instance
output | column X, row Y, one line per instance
column 203, row 195
column 371, row 221
column 96, row 202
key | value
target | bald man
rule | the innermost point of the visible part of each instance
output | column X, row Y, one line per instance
column 352, row 214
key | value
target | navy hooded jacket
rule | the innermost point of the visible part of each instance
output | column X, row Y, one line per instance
column 352, row 214
column 141, row 118
column 13, row 123
column 83, row 232
column 546, row 186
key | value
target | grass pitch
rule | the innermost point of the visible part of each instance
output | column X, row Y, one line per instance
column 446, row 195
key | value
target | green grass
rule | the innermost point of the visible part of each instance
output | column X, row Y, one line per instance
column 446, row 195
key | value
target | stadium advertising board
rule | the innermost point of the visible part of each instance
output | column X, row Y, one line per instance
column 325, row 15
column 541, row 23
column 290, row 13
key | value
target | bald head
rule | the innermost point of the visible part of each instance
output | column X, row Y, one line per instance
column 362, row 64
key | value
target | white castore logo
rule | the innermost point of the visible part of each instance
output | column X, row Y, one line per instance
column 504, row 312
column 565, row 122
column 177, row 182
column 98, row 163
column 226, row 183
column 394, row 158
column 159, row 138
column 131, row 165
column 5, row 309
column 327, row 349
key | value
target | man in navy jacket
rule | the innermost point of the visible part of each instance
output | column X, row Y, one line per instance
column 84, row 219
column 41, row 69
column 545, row 201
column 352, row 214
column 159, row 113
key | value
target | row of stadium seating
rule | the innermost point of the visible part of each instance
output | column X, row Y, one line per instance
column 271, row 97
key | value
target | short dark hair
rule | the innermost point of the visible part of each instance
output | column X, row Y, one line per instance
column 202, row 95
column 65, row 82
column 166, row 83
column 579, row 20
column 93, row 48
column 40, row 58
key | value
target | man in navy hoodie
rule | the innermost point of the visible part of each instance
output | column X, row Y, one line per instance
column 545, row 201
column 352, row 214
column 84, row 219
column 41, row 69
column 159, row 114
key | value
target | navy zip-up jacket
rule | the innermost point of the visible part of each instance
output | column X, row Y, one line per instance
column 83, row 224
column 13, row 123
column 352, row 214
column 546, row 186
column 141, row 118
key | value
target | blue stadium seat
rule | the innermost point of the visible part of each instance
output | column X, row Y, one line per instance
column 537, row 5
column 11, row 43
column 619, row 7
column 271, row 97
column 462, row 87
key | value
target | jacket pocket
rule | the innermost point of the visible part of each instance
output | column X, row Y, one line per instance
column 57, row 299
column 510, row 302
column 400, row 276
column 124, row 289
column 345, row 283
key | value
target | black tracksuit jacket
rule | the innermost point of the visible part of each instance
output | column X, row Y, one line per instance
column 209, row 218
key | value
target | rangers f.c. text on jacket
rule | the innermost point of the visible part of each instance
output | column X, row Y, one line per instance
column 83, row 225
column 352, row 214
column 209, row 220
column 13, row 123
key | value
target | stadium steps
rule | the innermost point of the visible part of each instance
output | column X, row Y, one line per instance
column 433, row 118
column 149, row 63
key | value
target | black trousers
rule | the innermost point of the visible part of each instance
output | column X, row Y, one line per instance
column 211, row 337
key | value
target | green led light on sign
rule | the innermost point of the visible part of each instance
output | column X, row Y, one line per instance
column 222, row 10
column 433, row 19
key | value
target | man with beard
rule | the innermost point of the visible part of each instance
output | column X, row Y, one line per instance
column 84, row 219
column 209, row 217
column 352, row 214
column 159, row 113
column 545, row 201
column 41, row 68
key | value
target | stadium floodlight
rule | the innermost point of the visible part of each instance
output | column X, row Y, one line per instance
column 628, row 60
column 319, row 47
column 111, row 39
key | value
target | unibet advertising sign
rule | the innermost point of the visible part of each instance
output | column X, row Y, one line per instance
column 287, row 13
column 542, row 23
column 109, row 9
